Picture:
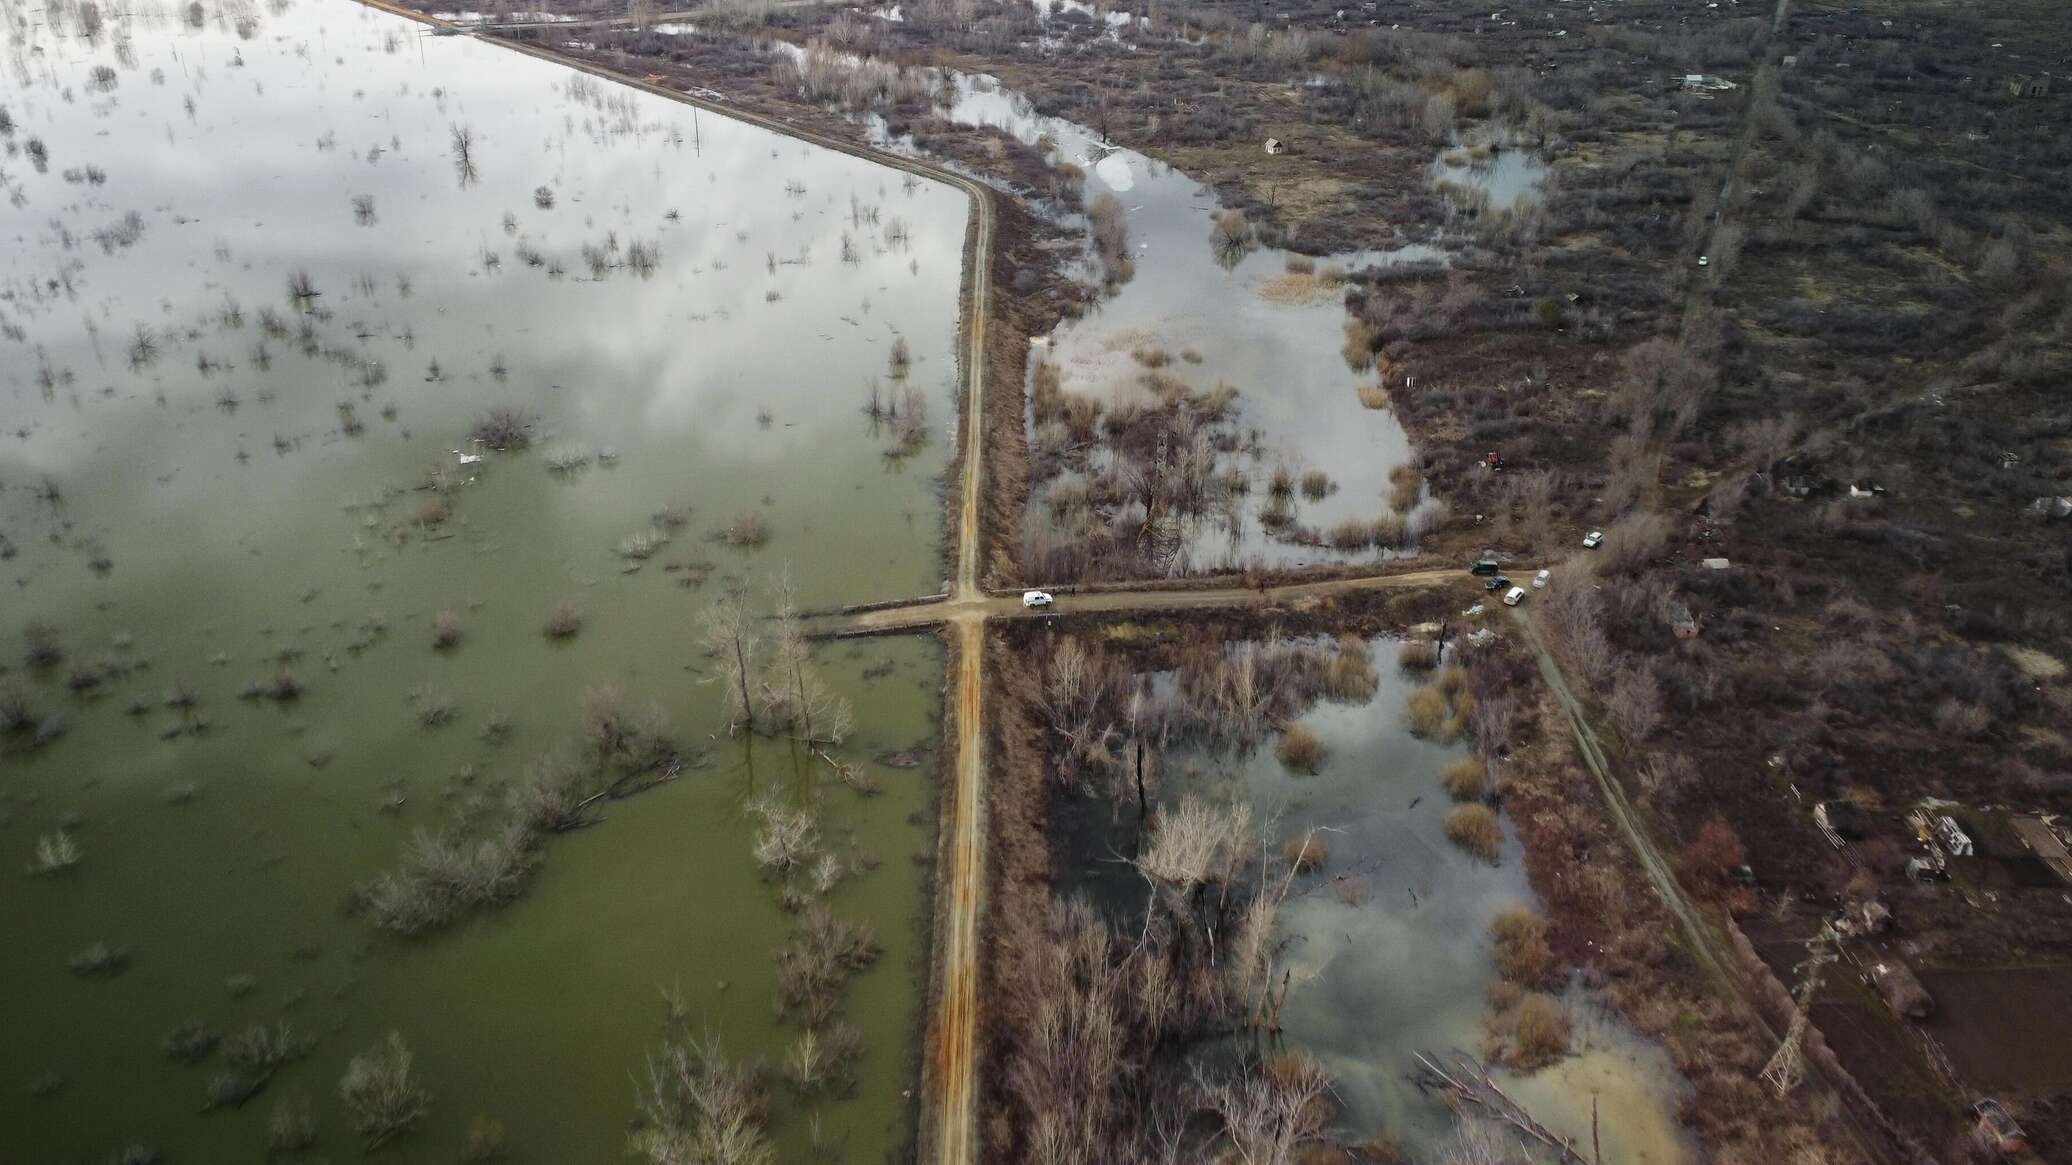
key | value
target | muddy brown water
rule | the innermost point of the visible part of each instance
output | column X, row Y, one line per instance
column 198, row 520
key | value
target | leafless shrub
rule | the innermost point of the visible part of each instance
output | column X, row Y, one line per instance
column 446, row 631
column 747, row 528
column 699, row 1108
column 1316, row 484
column 1418, row 654
column 381, row 1092
column 1961, row 719
column 503, row 428
column 1635, row 702
column 815, row 965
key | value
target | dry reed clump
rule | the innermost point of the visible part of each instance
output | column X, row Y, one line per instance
column 1105, row 217
column 1350, row 675
column 1305, row 854
column 1474, row 827
column 1522, row 953
column 1418, row 654
column 1405, row 483
column 1441, row 710
column 1300, row 748
column 1316, row 484
column 1465, row 779
column 1151, row 356
column 825, row 73
column 1374, row 396
column 1528, row 1032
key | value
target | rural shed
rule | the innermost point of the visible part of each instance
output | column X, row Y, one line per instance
column 1901, row 990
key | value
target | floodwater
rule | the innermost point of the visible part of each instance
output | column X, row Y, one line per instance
column 1504, row 177
column 1281, row 353
column 207, row 478
column 1388, row 943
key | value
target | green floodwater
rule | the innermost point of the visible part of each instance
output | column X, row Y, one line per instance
column 201, row 515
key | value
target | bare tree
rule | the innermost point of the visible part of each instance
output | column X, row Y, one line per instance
column 1269, row 1112
column 795, row 698
column 730, row 638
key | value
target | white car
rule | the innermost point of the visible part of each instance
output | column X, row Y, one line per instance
column 1592, row 539
column 1514, row 596
column 1035, row 599
column 1539, row 581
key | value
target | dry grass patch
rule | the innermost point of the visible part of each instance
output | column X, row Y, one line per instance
column 1465, row 779
column 1300, row 748
column 1305, row 854
column 1374, row 396
column 1474, row 827
column 1522, row 953
column 1418, row 654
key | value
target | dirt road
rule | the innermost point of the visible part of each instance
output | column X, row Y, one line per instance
column 1705, row 942
column 896, row 620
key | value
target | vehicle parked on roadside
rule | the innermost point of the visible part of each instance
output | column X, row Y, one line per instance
column 1514, row 596
column 1036, row 599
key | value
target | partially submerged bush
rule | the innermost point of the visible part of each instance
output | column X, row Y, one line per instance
column 100, row 961
column 1426, row 712
column 816, row 964
column 1522, row 953
column 1316, row 484
column 191, row 1042
column 1300, row 748
column 1306, row 853
column 1539, row 1032
column 55, row 852
column 1418, row 654
column 1465, row 778
column 564, row 620
column 445, row 630
column 696, row 1105
column 433, row 705
column 503, row 428
column 1350, row 676
column 1474, row 827
column 293, row 1127
column 381, row 1093
column 748, row 528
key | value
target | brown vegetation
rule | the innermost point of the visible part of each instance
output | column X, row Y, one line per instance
column 1474, row 828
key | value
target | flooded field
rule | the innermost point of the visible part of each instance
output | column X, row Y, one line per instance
column 1388, row 920
column 1244, row 338
column 387, row 413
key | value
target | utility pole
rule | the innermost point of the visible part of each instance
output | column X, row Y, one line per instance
column 1788, row 1066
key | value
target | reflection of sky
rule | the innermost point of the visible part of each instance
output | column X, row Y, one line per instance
column 1508, row 177
column 1284, row 358
column 330, row 103
column 1407, row 969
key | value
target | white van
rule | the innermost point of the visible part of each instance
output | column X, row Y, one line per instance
column 1514, row 596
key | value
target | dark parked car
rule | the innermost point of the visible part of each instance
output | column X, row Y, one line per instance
column 1485, row 566
column 1496, row 584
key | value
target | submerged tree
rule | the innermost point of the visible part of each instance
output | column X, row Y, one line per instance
column 796, row 700
column 731, row 639
column 699, row 1108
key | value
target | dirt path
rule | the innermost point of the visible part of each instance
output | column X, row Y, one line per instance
column 1705, row 942
column 897, row 620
